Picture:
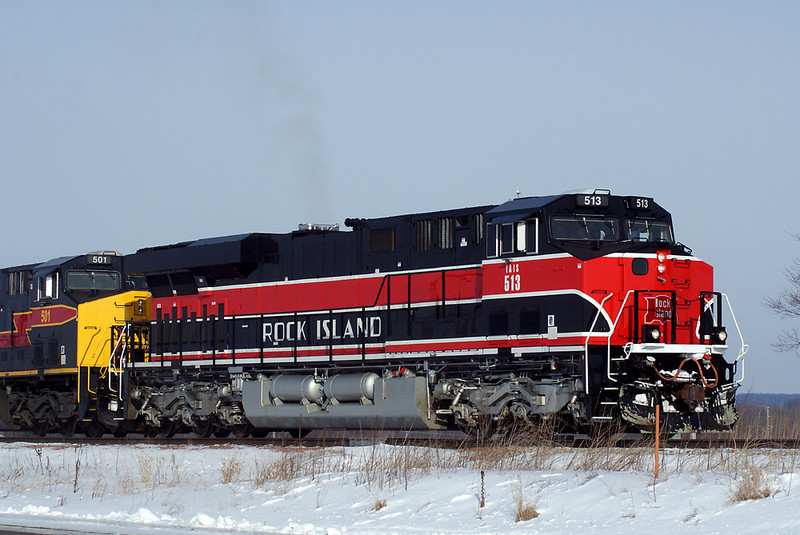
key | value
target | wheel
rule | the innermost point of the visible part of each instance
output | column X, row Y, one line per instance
column 222, row 432
column 67, row 427
column 299, row 433
column 242, row 430
column 167, row 429
column 259, row 433
column 94, row 429
column 203, row 428
column 40, row 428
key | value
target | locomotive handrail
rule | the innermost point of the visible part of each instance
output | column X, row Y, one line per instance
column 608, row 337
column 742, row 351
column 619, row 315
column 745, row 347
column 611, row 333
column 93, row 348
column 586, row 343
column 120, row 341
column 388, row 292
column 124, row 333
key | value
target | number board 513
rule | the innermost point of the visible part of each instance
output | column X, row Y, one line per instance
column 594, row 200
column 639, row 203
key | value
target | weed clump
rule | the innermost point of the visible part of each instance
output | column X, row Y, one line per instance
column 752, row 485
column 524, row 510
column 231, row 470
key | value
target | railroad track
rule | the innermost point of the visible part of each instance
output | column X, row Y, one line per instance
column 445, row 440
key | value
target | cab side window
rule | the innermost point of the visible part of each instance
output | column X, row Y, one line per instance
column 47, row 287
column 512, row 238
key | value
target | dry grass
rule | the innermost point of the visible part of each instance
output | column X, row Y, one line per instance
column 158, row 472
column 290, row 465
column 751, row 469
column 146, row 469
column 524, row 510
column 231, row 470
column 759, row 423
column 127, row 484
column 752, row 485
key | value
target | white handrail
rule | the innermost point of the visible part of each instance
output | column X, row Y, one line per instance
column 611, row 333
column 744, row 348
column 112, row 365
column 742, row 351
column 586, row 343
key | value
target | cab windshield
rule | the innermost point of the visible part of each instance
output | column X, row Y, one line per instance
column 648, row 231
column 585, row 228
column 93, row 280
column 607, row 229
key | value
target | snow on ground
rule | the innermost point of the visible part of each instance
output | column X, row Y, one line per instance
column 392, row 489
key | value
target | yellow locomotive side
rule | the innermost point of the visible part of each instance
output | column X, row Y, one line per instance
column 100, row 323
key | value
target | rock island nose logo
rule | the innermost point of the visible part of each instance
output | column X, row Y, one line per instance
column 659, row 309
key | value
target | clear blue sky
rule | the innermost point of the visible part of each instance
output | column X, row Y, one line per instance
column 130, row 124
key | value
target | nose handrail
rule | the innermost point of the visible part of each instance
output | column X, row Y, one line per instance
column 744, row 347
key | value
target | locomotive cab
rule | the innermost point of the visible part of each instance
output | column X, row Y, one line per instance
column 584, row 225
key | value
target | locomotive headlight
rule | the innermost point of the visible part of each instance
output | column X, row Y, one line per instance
column 719, row 335
column 651, row 333
column 655, row 333
column 140, row 307
column 661, row 257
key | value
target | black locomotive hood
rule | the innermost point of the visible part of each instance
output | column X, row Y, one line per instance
column 629, row 220
column 518, row 209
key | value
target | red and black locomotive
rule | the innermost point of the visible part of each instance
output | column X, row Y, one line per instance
column 580, row 307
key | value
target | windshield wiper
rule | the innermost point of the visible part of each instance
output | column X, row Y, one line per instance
column 585, row 225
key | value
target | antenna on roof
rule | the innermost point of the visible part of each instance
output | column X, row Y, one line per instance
column 517, row 191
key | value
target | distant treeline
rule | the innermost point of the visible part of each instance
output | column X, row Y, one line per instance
column 769, row 400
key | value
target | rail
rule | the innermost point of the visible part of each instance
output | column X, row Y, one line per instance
column 432, row 439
